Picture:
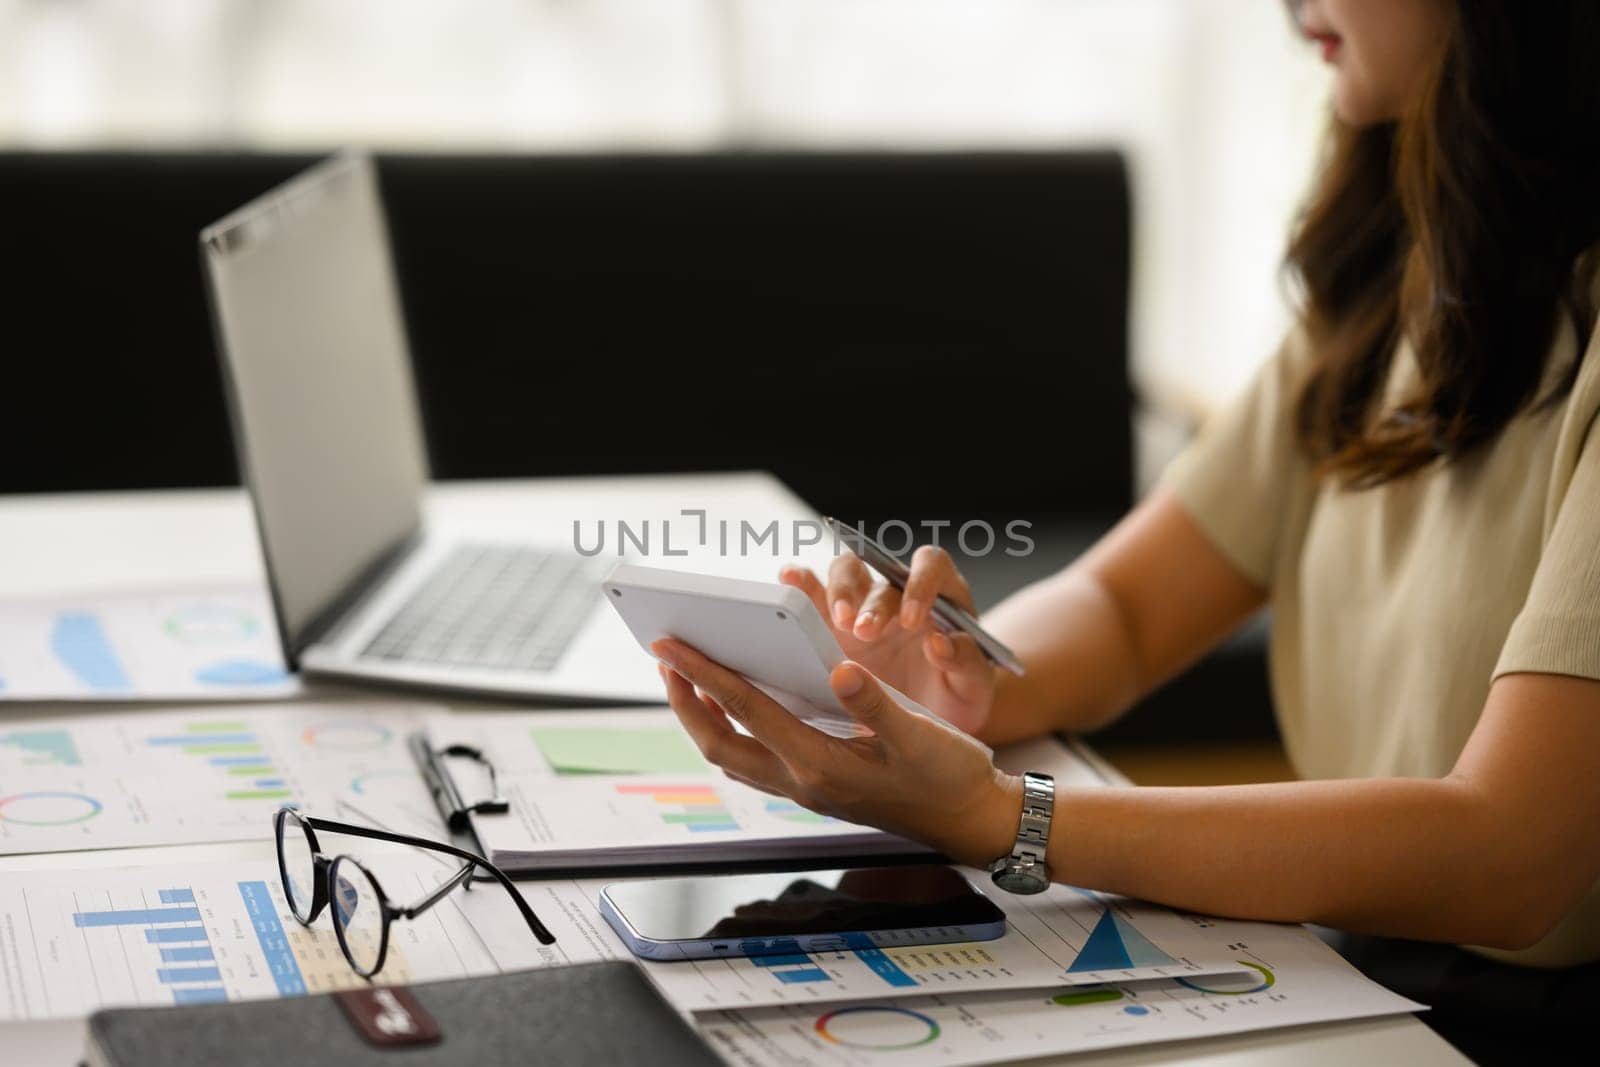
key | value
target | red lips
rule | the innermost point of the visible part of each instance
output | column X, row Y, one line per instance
column 1329, row 42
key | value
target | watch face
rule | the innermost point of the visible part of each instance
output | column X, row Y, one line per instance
column 1034, row 878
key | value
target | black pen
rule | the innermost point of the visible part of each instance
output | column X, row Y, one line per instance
column 442, row 786
column 946, row 614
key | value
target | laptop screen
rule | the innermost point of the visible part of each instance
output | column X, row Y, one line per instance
column 309, row 324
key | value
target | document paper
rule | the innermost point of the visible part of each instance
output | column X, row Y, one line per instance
column 1289, row 978
column 184, row 777
column 203, row 644
column 74, row 941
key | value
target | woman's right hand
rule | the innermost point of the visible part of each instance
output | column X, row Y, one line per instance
column 893, row 633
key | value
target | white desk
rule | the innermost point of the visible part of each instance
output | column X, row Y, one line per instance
column 56, row 544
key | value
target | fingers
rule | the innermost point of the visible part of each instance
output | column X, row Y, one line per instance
column 808, row 583
column 963, row 667
column 865, row 700
column 933, row 573
column 881, row 608
column 740, row 757
column 848, row 584
column 767, row 720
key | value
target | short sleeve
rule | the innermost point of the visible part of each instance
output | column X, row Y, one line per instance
column 1558, row 629
column 1241, row 477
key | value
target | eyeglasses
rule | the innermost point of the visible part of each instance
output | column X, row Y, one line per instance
column 362, row 911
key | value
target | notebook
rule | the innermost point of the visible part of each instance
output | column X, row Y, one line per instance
column 625, row 789
column 557, row 1015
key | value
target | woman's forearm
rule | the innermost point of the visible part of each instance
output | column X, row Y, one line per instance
column 1417, row 858
column 1081, row 669
column 1146, row 601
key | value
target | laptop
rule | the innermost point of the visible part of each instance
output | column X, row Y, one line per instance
column 317, row 371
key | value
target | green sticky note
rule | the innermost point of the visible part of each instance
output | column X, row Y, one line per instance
column 633, row 750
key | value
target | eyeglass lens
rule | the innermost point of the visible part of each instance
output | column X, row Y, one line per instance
column 297, row 865
column 357, row 908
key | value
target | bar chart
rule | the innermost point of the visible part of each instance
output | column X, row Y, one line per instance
column 697, row 808
column 234, row 753
column 180, row 950
column 73, row 941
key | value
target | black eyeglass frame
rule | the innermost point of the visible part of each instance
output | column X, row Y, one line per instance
column 325, row 872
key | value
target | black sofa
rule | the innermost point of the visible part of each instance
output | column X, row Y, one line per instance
column 913, row 336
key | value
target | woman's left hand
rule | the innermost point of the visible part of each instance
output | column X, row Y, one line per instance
column 913, row 776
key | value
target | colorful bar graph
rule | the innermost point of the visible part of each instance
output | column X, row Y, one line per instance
column 236, row 753
column 697, row 808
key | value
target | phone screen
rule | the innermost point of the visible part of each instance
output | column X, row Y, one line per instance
column 808, row 902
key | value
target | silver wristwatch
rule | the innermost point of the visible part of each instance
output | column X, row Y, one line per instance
column 1024, row 870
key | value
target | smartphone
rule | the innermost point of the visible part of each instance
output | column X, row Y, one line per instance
column 807, row 911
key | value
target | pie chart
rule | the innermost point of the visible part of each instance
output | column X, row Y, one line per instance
column 48, row 808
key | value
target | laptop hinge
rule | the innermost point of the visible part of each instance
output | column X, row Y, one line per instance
column 329, row 624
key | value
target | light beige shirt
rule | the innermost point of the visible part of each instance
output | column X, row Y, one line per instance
column 1395, row 607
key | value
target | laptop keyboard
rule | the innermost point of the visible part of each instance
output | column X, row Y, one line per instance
column 509, row 608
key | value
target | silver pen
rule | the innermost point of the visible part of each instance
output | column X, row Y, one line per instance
column 946, row 614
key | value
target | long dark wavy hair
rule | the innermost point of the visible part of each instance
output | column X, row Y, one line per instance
column 1460, row 227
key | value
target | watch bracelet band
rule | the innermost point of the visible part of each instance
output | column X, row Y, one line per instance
column 1033, row 829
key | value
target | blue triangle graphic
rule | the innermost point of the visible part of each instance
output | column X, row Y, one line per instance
column 1141, row 953
column 1104, row 950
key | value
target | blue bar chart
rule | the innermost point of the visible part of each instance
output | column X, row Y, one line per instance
column 76, row 940
column 190, row 971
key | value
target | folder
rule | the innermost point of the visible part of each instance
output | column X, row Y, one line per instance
column 588, row 1014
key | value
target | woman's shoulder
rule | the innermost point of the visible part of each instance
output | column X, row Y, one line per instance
column 1583, row 403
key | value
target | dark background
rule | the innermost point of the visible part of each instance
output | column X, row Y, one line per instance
column 893, row 335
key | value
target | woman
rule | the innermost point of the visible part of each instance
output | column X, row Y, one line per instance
column 1413, row 482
